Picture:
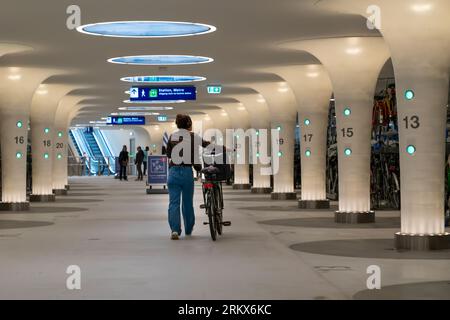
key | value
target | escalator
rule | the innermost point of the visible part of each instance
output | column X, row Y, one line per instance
column 97, row 159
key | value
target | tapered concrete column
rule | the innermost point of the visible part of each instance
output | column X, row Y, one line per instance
column 240, row 124
column 67, row 104
column 354, row 65
column 283, row 109
column 312, row 88
column 259, row 120
column 43, row 144
column 60, row 183
column 16, row 91
column 417, row 33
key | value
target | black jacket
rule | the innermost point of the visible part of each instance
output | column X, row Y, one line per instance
column 139, row 157
column 195, row 142
column 123, row 157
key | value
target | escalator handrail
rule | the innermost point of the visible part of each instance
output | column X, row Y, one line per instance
column 80, row 139
column 105, row 149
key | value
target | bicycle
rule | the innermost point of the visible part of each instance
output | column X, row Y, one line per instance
column 213, row 175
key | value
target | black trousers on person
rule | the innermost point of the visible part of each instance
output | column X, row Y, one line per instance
column 123, row 172
column 145, row 167
column 139, row 170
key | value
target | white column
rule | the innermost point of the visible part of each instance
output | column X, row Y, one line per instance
column 60, row 160
column 417, row 33
column 14, row 140
column 66, row 106
column 354, row 64
column 43, row 108
column 259, row 120
column 17, row 87
column 283, row 110
column 312, row 88
column 283, row 145
column 240, row 123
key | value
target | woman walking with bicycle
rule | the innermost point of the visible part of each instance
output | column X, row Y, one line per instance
column 182, row 150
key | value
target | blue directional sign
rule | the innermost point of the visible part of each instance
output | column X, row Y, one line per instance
column 125, row 121
column 163, row 93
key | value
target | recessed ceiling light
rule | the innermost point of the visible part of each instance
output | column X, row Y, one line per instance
column 146, row 108
column 163, row 79
column 312, row 74
column 421, row 7
column 155, row 102
column 353, row 51
column 146, row 29
column 14, row 77
column 160, row 60
column 138, row 113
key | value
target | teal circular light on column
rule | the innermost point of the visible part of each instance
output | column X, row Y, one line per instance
column 146, row 29
column 348, row 152
column 279, row 128
column 257, row 132
column 161, row 60
column 60, row 134
column 19, row 124
column 19, row 155
column 307, row 122
column 46, row 155
column 280, row 154
column 411, row 149
column 347, row 112
column 308, row 153
column 409, row 95
column 258, row 155
column 46, row 130
column 59, row 156
column 163, row 79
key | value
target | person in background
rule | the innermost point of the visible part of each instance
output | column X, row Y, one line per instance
column 181, row 178
column 138, row 162
column 83, row 161
column 147, row 149
column 123, row 161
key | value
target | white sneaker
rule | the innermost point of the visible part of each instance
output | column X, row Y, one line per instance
column 175, row 236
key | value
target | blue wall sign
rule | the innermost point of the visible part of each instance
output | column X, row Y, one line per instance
column 125, row 121
column 158, row 170
column 163, row 93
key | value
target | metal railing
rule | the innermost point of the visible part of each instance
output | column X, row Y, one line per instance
column 79, row 166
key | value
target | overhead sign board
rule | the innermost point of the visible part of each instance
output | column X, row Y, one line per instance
column 125, row 121
column 163, row 93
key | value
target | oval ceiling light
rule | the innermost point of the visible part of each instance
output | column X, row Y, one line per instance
column 160, row 60
column 155, row 102
column 146, row 29
column 162, row 79
column 146, row 108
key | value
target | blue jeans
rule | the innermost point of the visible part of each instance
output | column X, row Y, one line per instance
column 181, row 192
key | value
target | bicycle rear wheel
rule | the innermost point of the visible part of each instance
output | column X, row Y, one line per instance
column 218, row 211
column 210, row 207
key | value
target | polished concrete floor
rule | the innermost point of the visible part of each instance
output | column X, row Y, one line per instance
column 119, row 237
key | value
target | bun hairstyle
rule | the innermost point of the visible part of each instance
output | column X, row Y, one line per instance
column 183, row 121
